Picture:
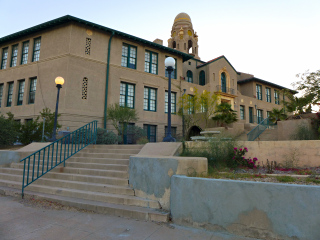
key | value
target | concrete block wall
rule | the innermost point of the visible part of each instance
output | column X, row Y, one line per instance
column 252, row 209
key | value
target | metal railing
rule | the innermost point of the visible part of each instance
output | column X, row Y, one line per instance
column 254, row 133
column 225, row 89
column 56, row 153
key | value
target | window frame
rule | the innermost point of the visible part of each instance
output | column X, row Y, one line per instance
column 173, row 131
column 147, row 128
column 148, row 100
column 20, row 92
column 276, row 97
column 126, row 95
column 32, row 90
column 202, row 78
column 4, row 58
column 1, row 93
column 242, row 112
column 35, row 55
column 173, row 102
column 190, row 107
column 259, row 118
column 10, row 94
column 150, row 62
column 189, row 78
column 268, row 94
column 14, row 55
column 259, row 91
column 128, row 57
column 25, row 54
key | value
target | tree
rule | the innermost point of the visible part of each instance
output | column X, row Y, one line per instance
column 277, row 115
column 297, row 105
column 49, row 122
column 225, row 114
column 196, row 107
column 9, row 130
column 120, row 117
column 309, row 84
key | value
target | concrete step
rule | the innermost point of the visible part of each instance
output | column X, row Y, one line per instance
column 112, row 150
column 72, row 177
column 116, row 146
column 88, row 195
column 100, row 160
column 86, row 155
column 95, row 187
column 84, row 171
column 134, row 212
column 70, row 163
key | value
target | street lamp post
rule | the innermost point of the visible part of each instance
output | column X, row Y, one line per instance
column 170, row 65
column 59, row 82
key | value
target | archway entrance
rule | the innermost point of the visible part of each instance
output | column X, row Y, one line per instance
column 194, row 131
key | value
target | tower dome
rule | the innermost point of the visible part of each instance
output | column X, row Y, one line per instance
column 183, row 37
column 182, row 19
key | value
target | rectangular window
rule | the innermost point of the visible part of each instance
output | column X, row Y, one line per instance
column 276, row 97
column 150, row 99
column 190, row 104
column 129, row 56
column 36, row 49
column 259, row 92
column 128, row 136
column 151, row 131
column 21, row 92
column 173, row 102
column 1, row 93
column 25, row 53
column 4, row 58
column 127, row 95
column 268, row 114
column 173, row 73
column 14, row 55
column 32, row 92
column 151, row 62
column 10, row 93
column 268, row 94
column 251, row 119
column 259, row 115
column 242, row 112
column 173, row 131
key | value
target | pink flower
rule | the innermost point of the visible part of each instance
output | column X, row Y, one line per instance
column 235, row 148
column 240, row 149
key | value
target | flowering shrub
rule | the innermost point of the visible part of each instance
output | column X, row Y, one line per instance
column 241, row 160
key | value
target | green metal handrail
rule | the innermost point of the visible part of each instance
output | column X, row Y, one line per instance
column 254, row 133
column 68, row 146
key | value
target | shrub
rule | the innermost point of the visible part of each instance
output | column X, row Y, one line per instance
column 240, row 160
column 285, row 179
column 303, row 132
column 31, row 132
column 106, row 137
column 136, row 134
column 9, row 131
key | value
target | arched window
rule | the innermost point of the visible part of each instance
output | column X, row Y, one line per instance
column 223, row 82
column 174, row 45
column 202, row 78
column 189, row 76
column 189, row 46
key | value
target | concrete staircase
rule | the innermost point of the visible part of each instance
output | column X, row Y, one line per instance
column 268, row 135
column 96, row 178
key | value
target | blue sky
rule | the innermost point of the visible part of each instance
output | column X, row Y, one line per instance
column 274, row 40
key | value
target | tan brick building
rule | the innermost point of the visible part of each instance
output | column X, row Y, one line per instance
column 102, row 66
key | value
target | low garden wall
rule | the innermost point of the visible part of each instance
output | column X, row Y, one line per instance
column 150, row 176
column 252, row 209
column 300, row 153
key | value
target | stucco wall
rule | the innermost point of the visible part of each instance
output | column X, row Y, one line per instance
column 258, row 210
column 150, row 176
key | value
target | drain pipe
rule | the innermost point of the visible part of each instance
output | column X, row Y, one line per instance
column 107, row 84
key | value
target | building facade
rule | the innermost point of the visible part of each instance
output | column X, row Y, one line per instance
column 103, row 66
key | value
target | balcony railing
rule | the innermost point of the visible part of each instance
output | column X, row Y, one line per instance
column 225, row 89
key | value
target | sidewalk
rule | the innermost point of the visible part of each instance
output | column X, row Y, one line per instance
column 24, row 220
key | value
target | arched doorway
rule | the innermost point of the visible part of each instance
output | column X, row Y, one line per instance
column 194, row 131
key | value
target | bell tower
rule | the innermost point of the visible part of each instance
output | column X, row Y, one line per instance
column 183, row 37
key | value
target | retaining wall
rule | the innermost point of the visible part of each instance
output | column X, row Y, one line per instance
column 252, row 209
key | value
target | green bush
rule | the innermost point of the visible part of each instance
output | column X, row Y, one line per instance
column 219, row 152
column 31, row 131
column 106, row 137
column 9, row 131
column 303, row 132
